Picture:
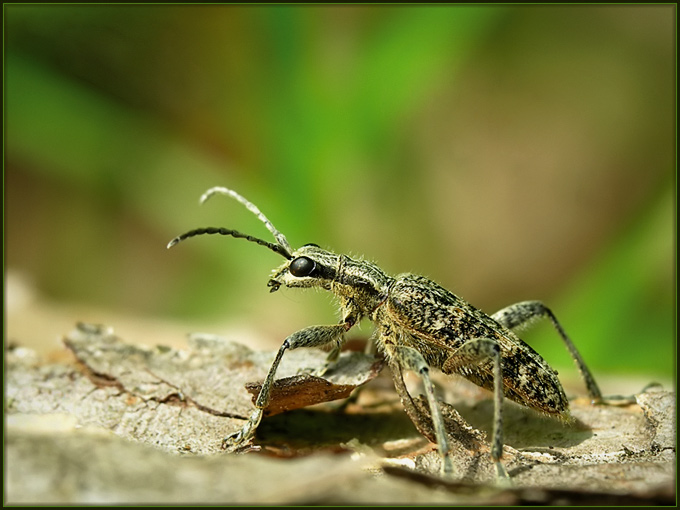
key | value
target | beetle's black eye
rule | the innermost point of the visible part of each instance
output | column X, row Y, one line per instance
column 302, row 266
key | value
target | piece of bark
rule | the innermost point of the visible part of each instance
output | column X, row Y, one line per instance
column 81, row 435
column 181, row 400
column 339, row 380
column 605, row 449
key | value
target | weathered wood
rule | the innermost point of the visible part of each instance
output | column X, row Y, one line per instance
column 126, row 423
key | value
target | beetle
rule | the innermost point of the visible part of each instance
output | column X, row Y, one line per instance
column 419, row 325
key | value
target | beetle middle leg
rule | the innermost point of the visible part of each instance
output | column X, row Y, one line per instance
column 410, row 358
column 474, row 351
column 313, row 336
column 521, row 315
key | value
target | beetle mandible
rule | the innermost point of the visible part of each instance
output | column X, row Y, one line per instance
column 419, row 325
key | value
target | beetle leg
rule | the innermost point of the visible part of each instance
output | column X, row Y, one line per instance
column 411, row 359
column 420, row 420
column 472, row 351
column 312, row 336
column 521, row 315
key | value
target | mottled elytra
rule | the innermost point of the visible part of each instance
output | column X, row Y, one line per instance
column 419, row 325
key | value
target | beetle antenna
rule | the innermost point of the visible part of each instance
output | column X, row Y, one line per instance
column 280, row 238
column 234, row 233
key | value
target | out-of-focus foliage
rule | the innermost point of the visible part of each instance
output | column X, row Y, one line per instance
column 509, row 153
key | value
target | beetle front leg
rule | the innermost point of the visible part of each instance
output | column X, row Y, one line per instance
column 313, row 336
column 521, row 315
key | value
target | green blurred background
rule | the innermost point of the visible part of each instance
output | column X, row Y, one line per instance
column 509, row 153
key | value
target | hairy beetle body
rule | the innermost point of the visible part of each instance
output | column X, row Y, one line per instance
column 444, row 322
column 419, row 325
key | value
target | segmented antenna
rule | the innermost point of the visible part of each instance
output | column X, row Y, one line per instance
column 280, row 238
column 229, row 232
column 281, row 247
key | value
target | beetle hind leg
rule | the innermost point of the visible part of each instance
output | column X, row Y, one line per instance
column 522, row 315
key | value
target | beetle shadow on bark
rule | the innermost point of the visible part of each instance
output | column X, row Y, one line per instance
column 302, row 431
column 524, row 428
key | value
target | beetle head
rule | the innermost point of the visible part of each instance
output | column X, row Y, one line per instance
column 310, row 266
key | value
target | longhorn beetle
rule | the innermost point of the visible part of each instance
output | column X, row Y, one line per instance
column 419, row 325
